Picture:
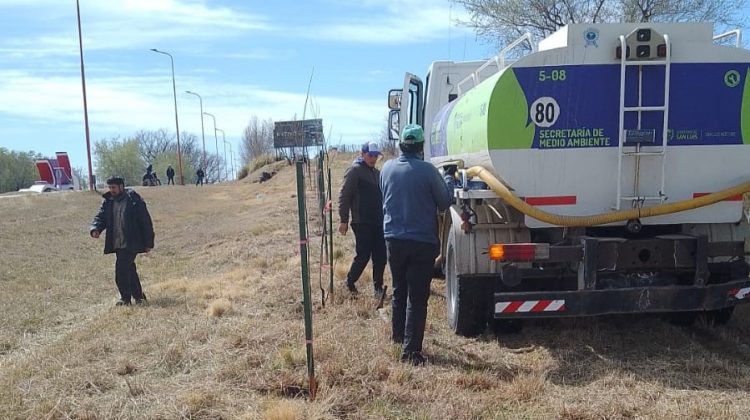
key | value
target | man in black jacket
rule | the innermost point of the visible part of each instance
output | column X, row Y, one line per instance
column 170, row 175
column 360, row 194
column 123, row 214
column 199, row 177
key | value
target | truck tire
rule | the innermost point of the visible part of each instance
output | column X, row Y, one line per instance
column 469, row 300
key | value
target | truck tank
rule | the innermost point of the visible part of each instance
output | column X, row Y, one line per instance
column 575, row 130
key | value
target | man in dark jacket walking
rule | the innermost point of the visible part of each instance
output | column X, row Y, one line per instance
column 170, row 175
column 413, row 192
column 360, row 194
column 123, row 214
column 199, row 177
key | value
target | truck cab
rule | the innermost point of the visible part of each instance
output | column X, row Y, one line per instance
column 419, row 102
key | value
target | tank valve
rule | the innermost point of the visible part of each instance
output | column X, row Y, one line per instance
column 466, row 221
column 634, row 226
column 466, row 218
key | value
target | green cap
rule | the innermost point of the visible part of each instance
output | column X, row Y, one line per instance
column 412, row 134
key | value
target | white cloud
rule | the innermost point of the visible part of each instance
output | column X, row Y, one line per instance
column 123, row 105
column 391, row 22
column 127, row 24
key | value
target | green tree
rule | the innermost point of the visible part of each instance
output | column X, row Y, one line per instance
column 17, row 169
column 119, row 157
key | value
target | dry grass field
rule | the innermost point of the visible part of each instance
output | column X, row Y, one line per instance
column 223, row 336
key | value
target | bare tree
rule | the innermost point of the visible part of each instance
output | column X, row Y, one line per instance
column 153, row 143
column 257, row 139
column 387, row 146
column 503, row 21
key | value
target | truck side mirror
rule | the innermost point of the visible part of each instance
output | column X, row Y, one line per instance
column 393, row 125
column 394, row 99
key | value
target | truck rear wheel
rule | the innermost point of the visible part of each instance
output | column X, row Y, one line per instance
column 469, row 300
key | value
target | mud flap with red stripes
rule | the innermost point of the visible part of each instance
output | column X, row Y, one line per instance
column 621, row 301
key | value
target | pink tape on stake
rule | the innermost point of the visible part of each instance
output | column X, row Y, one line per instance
column 328, row 206
column 304, row 242
column 308, row 341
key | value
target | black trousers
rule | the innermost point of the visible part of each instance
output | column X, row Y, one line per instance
column 126, row 276
column 199, row 181
column 170, row 180
column 370, row 243
column 411, row 267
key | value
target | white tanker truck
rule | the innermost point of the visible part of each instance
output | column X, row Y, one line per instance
column 604, row 172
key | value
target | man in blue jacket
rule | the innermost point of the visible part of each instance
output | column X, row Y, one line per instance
column 413, row 192
column 123, row 214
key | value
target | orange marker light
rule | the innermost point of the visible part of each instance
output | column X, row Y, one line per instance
column 497, row 252
column 518, row 252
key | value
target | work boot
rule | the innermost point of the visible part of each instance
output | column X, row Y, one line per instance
column 414, row 357
column 142, row 300
column 378, row 292
column 121, row 302
column 352, row 289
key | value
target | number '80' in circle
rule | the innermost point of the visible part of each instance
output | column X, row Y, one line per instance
column 544, row 111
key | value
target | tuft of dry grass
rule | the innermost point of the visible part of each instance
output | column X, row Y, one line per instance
column 219, row 307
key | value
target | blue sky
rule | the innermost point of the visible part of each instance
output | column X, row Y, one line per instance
column 244, row 58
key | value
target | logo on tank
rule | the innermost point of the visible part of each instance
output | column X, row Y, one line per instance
column 591, row 35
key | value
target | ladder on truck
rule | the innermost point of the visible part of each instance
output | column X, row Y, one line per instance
column 637, row 153
column 500, row 61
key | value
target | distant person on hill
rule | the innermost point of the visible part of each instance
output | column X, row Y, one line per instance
column 148, row 177
column 199, row 175
column 123, row 214
column 360, row 195
column 413, row 192
column 170, row 175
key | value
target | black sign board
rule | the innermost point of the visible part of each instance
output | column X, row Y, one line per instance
column 298, row 133
column 639, row 136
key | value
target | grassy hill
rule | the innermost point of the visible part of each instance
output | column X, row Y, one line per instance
column 223, row 334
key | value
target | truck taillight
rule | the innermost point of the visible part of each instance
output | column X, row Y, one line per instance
column 518, row 252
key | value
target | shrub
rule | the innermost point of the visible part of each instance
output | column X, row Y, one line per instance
column 259, row 162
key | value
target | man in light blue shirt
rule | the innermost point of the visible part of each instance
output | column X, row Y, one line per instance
column 413, row 193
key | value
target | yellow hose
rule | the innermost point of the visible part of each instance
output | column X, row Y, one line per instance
column 604, row 218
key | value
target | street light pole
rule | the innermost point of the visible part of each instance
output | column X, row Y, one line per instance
column 203, row 132
column 224, row 139
column 176, row 122
column 216, row 139
column 231, row 156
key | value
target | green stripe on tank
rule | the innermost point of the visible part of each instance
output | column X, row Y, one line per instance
column 497, row 110
column 745, row 116
column 467, row 124
column 509, row 126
